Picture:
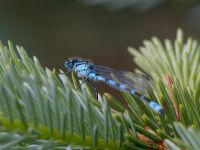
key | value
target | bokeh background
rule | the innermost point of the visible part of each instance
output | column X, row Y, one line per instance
column 100, row 30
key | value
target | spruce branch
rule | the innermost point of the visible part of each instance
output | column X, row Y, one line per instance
column 40, row 108
column 175, row 69
column 37, row 100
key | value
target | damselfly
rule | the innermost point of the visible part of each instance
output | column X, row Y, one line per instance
column 124, row 81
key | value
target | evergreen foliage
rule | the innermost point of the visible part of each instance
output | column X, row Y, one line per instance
column 44, row 109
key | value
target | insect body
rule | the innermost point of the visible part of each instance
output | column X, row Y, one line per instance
column 121, row 80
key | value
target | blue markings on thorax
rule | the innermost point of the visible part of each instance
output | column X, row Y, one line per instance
column 82, row 69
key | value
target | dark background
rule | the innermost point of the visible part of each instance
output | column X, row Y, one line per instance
column 56, row 30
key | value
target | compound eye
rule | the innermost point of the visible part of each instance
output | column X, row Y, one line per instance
column 67, row 64
column 71, row 61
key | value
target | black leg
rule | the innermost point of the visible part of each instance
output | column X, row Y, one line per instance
column 83, row 79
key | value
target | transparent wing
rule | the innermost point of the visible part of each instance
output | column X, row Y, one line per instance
column 138, row 81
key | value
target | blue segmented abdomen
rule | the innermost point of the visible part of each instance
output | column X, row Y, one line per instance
column 123, row 87
column 86, row 69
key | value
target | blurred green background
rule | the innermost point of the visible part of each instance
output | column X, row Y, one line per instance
column 96, row 29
